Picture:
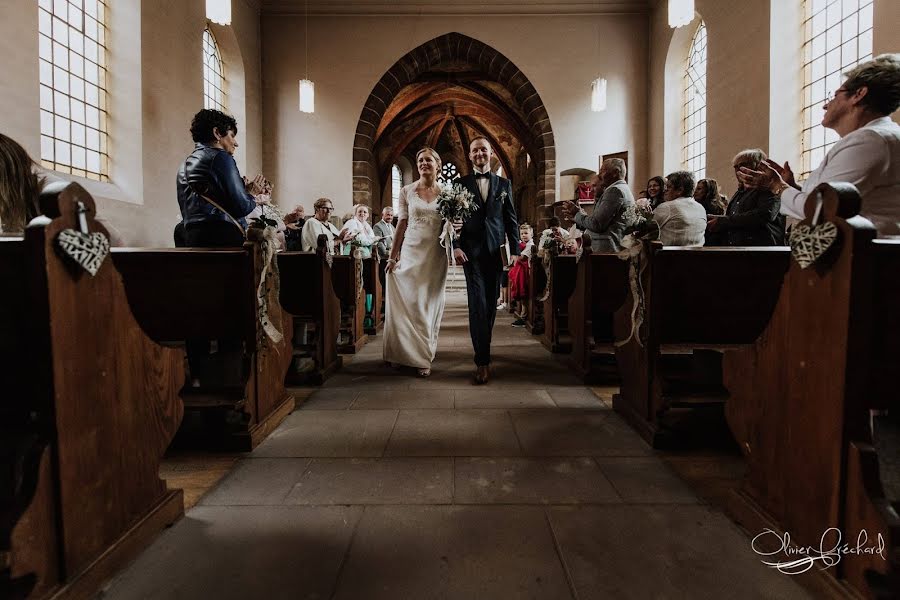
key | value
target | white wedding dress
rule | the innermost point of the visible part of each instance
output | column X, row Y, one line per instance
column 415, row 289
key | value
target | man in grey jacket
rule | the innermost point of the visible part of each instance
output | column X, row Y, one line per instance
column 608, row 221
column 384, row 229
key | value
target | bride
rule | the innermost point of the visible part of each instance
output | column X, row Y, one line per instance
column 416, row 272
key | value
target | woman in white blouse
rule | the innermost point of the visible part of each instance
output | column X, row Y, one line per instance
column 319, row 225
column 867, row 155
column 359, row 231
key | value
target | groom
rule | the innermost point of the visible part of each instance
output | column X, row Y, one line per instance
column 477, row 248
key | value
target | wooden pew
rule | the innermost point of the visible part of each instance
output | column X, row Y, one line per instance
column 90, row 406
column 372, row 285
column 801, row 398
column 601, row 286
column 537, row 281
column 347, row 274
column 561, row 283
column 697, row 303
column 182, row 294
column 307, row 292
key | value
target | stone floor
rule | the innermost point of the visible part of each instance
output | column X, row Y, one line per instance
column 384, row 485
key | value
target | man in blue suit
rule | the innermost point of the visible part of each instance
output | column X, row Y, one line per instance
column 477, row 249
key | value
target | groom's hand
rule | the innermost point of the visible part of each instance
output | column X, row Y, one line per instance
column 460, row 256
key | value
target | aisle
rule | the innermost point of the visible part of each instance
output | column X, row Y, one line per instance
column 384, row 485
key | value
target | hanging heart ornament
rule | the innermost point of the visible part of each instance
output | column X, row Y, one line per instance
column 88, row 250
column 808, row 244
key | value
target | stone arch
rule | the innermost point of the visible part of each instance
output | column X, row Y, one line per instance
column 454, row 49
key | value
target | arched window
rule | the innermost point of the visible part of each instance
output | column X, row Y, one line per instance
column 837, row 35
column 694, row 117
column 73, row 78
column 213, row 73
column 448, row 172
column 396, row 184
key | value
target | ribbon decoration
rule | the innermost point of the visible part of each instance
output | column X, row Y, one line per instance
column 268, row 244
column 633, row 252
column 447, row 236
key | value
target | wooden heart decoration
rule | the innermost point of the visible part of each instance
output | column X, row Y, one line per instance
column 88, row 250
column 808, row 244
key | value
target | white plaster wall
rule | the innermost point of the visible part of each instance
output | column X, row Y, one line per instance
column 156, row 87
column 310, row 156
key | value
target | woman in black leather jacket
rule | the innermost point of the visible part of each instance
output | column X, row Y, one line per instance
column 211, row 193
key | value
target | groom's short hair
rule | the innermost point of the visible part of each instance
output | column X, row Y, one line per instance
column 480, row 137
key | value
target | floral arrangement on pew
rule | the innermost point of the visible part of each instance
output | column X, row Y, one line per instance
column 642, row 228
column 265, row 226
column 455, row 203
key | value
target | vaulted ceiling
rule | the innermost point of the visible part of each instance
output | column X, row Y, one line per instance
column 446, row 109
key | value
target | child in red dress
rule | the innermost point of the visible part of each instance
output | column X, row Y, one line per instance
column 519, row 275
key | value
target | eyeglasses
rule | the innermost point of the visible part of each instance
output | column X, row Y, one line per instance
column 328, row 208
column 834, row 94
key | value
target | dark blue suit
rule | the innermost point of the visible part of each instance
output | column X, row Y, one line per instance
column 480, row 238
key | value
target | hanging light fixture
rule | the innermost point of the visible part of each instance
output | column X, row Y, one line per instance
column 307, row 87
column 598, row 95
column 219, row 11
column 681, row 12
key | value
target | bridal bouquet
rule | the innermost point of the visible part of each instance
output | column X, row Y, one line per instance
column 453, row 203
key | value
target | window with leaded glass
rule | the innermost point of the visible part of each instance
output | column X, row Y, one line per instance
column 694, row 119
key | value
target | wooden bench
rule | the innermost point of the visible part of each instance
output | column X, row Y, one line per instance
column 89, row 407
column 184, row 294
column 601, row 286
column 373, row 320
column 555, row 306
column 800, row 401
column 347, row 275
column 697, row 303
column 537, row 281
column 307, row 292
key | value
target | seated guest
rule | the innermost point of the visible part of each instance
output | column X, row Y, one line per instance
column 608, row 221
column 752, row 217
column 21, row 183
column 553, row 231
column 867, row 155
column 363, row 237
column 681, row 219
column 656, row 191
column 707, row 194
column 20, row 186
column 293, row 224
column 320, row 224
column 213, row 198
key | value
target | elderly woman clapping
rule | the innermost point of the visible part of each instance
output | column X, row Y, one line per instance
column 867, row 155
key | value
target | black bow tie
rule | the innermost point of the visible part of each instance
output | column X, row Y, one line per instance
column 482, row 175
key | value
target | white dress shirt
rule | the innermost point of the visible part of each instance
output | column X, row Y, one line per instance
column 682, row 222
column 869, row 158
column 484, row 183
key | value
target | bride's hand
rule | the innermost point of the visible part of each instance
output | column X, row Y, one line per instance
column 457, row 225
column 391, row 265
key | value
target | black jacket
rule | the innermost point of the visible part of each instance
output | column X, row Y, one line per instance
column 495, row 219
column 212, row 172
column 752, row 219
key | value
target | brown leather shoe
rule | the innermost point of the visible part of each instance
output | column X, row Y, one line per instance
column 481, row 375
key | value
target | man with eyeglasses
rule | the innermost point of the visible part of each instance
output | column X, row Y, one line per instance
column 319, row 225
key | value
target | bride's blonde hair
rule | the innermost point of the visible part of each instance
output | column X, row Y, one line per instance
column 432, row 151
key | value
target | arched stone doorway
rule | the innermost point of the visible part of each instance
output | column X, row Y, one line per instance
column 442, row 94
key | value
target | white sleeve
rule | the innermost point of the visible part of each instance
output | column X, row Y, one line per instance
column 308, row 236
column 859, row 161
column 403, row 208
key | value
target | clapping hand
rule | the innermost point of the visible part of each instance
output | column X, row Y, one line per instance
column 570, row 209
column 787, row 175
column 764, row 178
column 255, row 187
